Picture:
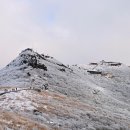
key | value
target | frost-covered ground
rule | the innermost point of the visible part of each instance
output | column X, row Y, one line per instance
column 75, row 99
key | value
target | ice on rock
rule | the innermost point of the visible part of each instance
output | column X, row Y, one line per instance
column 74, row 98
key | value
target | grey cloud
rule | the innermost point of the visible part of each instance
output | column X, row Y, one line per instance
column 80, row 31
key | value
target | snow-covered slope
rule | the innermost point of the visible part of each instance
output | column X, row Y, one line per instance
column 79, row 97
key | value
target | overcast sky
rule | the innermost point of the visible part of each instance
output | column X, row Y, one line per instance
column 72, row 31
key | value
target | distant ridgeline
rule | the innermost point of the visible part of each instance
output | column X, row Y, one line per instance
column 107, row 63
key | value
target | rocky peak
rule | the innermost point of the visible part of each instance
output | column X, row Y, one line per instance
column 29, row 58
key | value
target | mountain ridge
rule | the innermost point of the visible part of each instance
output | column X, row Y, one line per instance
column 78, row 97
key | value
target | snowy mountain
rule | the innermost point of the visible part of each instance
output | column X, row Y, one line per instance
column 37, row 92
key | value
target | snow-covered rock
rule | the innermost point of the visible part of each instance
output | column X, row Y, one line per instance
column 75, row 99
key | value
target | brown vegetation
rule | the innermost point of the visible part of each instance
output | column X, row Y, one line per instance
column 15, row 121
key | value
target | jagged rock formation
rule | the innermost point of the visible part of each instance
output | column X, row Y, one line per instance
column 30, row 58
column 74, row 98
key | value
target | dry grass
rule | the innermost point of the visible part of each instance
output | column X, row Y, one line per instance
column 50, row 103
column 59, row 105
column 15, row 121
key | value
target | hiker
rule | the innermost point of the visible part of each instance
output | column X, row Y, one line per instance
column 46, row 86
column 32, row 82
column 6, row 90
column 13, row 89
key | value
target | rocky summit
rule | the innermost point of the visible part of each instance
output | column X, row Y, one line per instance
column 37, row 92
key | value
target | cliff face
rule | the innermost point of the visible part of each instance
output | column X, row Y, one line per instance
column 39, row 92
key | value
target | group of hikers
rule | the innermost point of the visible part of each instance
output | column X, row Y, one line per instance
column 44, row 86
